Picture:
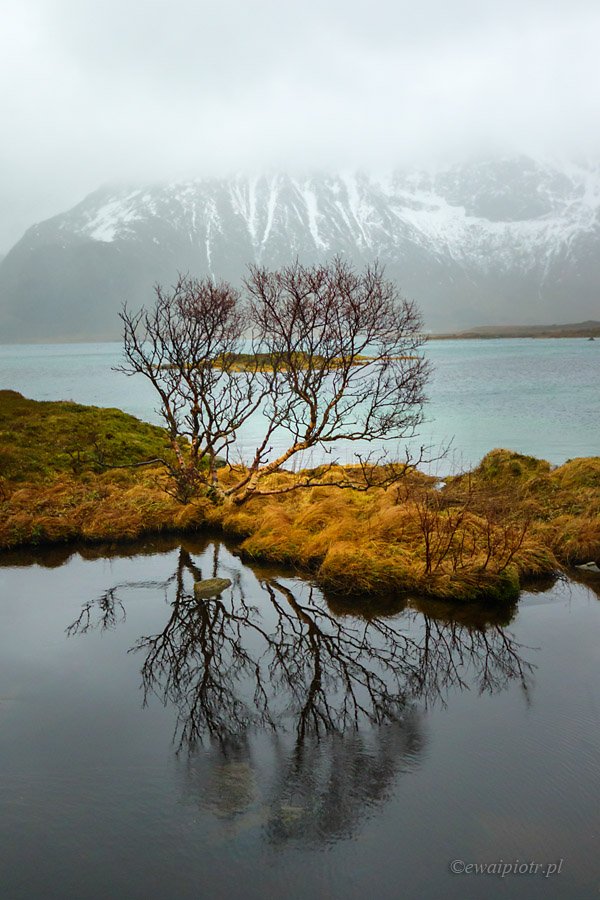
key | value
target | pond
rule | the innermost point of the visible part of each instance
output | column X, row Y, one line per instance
column 273, row 742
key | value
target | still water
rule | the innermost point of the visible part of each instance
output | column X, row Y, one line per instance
column 274, row 743
column 538, row 397
column 271, row 742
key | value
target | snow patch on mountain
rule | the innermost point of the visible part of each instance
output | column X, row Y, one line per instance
column 311, row 202
column 111, row 220
column 513, row 240
column 371, row 214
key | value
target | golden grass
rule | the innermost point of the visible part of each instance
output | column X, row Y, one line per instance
column 69, row 508
column 374, row 542
column 511, row 517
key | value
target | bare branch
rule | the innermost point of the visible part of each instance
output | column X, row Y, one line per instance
column 335, row 355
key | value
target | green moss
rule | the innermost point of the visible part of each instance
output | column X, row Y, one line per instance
column 507, row 465
column 41, row 439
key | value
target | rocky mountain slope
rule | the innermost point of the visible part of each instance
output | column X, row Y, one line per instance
column 500, row 241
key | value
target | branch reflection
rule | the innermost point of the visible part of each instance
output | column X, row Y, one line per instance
column 286, row 659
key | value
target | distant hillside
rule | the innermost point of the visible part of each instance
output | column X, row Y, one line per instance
column 588, row 329
column 508, row 240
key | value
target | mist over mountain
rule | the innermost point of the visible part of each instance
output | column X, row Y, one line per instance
column 513, row 240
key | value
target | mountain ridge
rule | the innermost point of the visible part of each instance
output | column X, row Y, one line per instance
column 503, row 241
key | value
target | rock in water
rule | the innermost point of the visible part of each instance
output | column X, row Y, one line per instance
column 588, row 567
column 210, row 587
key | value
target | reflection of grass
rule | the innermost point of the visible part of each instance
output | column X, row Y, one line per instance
column 511, row 516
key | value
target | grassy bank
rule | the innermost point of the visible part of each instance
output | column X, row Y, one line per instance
column 589, row 329
column 478, row 536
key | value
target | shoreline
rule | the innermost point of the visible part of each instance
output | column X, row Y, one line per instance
column 583, row 330
column 53, row 555
column 477, row 538
column 512, row 337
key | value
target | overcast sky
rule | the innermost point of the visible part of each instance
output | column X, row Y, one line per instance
column 120, row 89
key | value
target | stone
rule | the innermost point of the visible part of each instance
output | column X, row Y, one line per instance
column 210, row 587
column 588, row 567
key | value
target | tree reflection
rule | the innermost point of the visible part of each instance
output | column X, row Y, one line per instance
column 451, row 654
column 316, row 790
column 272, row 657
column 203, row 662
column 320, row 793
column 287, row 660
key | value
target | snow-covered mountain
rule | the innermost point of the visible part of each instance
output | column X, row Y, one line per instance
column 511, row 240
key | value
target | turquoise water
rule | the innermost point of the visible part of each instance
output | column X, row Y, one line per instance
column 539, row 397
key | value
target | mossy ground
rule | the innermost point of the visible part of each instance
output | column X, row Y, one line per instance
column 511, row 517
column 40, row 440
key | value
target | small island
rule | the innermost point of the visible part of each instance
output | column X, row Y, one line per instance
column 78, row 473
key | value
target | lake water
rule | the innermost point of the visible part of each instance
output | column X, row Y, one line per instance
column 538, row 397
column 268, row 743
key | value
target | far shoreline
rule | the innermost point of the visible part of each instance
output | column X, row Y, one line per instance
column 468, row 336
column 586, row 330
column 497, row 337
column 583, row 330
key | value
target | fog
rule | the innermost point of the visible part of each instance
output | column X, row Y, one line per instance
column 96, row 92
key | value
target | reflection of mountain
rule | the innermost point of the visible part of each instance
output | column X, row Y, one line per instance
column 314, row 791
column 266, row 660
column 488, row 241
column 323, row 789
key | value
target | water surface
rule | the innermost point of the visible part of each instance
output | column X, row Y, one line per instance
column 538, row 397
column 269, row 742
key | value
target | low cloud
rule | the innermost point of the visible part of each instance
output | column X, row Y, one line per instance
column 95, row 92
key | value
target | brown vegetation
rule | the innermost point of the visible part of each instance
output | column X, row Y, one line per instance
column 475, row 537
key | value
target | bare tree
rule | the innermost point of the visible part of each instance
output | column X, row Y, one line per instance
column 345, row 364
column 189, row 346
column 334, row 356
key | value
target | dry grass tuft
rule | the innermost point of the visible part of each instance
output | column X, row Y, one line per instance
column 510, row 517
